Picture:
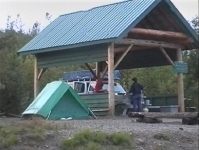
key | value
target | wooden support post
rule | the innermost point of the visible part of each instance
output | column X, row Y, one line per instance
column 180, row 84
column 98, row 69
column 35, row 78
column 122, row 56
column 111, row 79
column 167, row 56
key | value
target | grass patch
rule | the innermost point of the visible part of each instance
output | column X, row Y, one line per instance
column 96, row 140
column 9, row 140
column 121, row 139
column 33, row 130
column 93, row 146
column 36, row 136
column 162, row 136
column 47, row 125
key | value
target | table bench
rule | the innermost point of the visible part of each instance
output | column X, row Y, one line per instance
column 129, row 105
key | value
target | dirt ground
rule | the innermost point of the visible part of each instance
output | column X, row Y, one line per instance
column 169, row 135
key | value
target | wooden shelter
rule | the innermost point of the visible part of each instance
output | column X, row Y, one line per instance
column 125, row 35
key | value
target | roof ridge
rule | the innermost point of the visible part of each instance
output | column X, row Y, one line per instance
column 71, row 13
column 122, row 1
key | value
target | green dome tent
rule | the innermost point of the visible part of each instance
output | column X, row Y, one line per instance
column 58, row 100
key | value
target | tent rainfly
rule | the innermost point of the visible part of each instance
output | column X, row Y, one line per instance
column 58, row 100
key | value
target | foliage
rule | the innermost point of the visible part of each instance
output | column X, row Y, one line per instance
column 16, row 73
column 158, row 81
column 191, row 79
column 13, row 72
column 95, row 140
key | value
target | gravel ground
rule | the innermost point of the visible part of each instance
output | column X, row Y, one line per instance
column 130, row 125
column 182, row 137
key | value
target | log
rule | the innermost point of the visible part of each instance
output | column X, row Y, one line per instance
column 160, row 33
column 149, row 43
column 149, row 120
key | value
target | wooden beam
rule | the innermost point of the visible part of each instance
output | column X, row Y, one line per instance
column 160, row 33
column 122, row 56
column 91, row 70
column 105, row 70
column 123, row 49
column 167, row 56
column 35, row 77
column 180, row 84
column 41, row 73
column 111, row 79
column 149, row 43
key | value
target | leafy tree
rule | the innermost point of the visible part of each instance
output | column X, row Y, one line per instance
column 13, row 72
column 191, row 79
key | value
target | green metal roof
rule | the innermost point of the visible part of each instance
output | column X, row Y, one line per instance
column 102, row 24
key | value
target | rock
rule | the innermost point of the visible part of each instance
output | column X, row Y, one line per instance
column 149, row 120
column 190, row 120
column 46, row 146
column 140, row 142
column 181, row 128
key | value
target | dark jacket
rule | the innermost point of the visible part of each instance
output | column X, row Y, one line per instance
column 136, row 88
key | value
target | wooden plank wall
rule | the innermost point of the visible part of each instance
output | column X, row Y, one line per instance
column 97, row 102
column 73, row 56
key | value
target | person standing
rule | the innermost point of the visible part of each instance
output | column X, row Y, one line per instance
column 136, row 90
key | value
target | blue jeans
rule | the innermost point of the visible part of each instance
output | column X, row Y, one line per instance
column 136, row 101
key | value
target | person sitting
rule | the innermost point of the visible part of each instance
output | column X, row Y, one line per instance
column 99, row 85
